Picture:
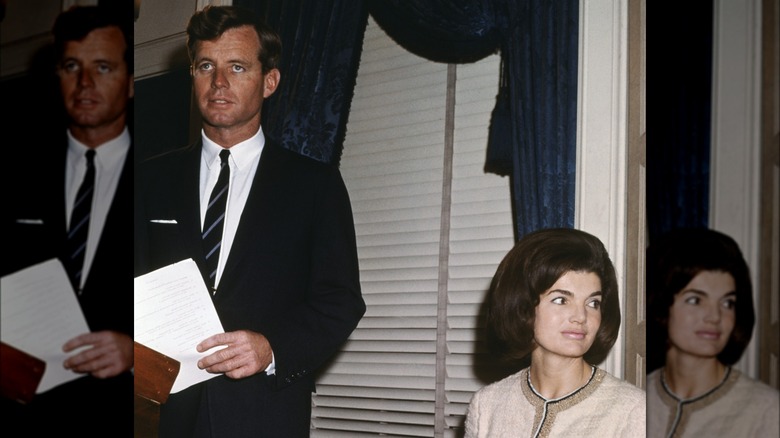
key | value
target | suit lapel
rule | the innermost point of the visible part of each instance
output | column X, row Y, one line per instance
column 253, row 217
column 119, row 204
column 58, row 217
column 187, row 206
column 121, row 208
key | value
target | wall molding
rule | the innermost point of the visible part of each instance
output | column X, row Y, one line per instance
column 600, row 199
column 161, row 55
column 735, row 163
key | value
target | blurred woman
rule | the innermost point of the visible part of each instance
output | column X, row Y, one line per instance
column 700, row 317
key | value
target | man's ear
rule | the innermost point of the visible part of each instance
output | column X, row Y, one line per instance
column 271, row 82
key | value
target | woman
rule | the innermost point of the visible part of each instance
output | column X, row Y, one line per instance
column 554, row 299
column 700, row 309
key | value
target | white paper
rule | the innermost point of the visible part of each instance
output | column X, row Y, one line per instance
column 173, row 314
column 39, row 313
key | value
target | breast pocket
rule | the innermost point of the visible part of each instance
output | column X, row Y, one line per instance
column 166, row 243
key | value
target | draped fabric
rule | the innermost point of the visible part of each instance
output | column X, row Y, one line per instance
column 541, row 47
column 678, row 148
column 533, row 129
column 448, row 31
column 321, row 45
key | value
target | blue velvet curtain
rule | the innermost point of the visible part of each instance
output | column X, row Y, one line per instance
column 532, row 135
column 321, row 45
column 542, row 45
column 679, row 89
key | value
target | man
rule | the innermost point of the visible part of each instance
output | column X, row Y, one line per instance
column 94, row 70
column 284, row 275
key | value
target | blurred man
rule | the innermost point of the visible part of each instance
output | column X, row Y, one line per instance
column 73, row 203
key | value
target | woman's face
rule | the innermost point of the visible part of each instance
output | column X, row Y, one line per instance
column 702, row 316
column 569, row 315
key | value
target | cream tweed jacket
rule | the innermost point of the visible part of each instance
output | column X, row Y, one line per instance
column 604, row 407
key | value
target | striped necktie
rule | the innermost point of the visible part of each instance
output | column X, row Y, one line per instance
column 215, row 220
column 76, row 243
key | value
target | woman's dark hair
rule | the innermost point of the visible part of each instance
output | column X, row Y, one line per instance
column 535, row 263
column 77, row 22
column 672, row 262
column 212, row 21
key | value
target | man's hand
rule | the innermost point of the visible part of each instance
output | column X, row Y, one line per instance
column 246, row 353
column 111, row 353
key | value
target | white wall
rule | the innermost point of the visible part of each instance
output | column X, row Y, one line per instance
column 736, row 138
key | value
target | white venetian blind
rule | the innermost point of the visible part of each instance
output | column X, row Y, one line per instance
column 384, row 380
column 481, row 234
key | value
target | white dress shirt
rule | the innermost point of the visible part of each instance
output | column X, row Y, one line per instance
column 243, row 161
column 109, row 160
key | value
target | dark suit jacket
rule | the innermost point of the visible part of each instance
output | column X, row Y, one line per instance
column 292, row 274
column 37, row 192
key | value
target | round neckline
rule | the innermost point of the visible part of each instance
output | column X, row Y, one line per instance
column 672, row 394
column 569, row 394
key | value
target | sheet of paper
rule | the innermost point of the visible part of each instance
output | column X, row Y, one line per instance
column 173, row 313
column 39, row 312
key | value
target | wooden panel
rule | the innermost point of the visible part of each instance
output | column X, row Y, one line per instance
column 634, row 318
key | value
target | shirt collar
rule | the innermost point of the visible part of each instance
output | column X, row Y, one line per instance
column 111, row 152
column 242, row 154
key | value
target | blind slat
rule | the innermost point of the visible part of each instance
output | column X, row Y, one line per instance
column 383, row 382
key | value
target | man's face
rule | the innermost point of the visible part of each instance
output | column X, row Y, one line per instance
column 229, row 82
column 94, row 80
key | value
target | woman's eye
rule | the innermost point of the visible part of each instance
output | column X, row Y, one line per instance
column 558, row 300
column 596, row 304
column 692, row 300
column 730, row 304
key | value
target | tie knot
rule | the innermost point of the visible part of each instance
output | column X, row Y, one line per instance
column 224, row 155
column 90, row 154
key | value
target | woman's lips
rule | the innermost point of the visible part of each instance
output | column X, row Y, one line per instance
column 708, row 334
column 574, row 334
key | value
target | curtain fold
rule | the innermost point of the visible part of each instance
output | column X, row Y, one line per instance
column 678, row 149
column 322, row 41
column 542, row 49
column 447, row 31
column 533, row 130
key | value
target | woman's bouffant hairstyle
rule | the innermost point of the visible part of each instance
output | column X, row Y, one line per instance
column 211, row 22
column 672, row 262
column 535, row 263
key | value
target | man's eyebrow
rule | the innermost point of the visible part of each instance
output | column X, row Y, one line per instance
column 90, row 61
column 229, row 61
